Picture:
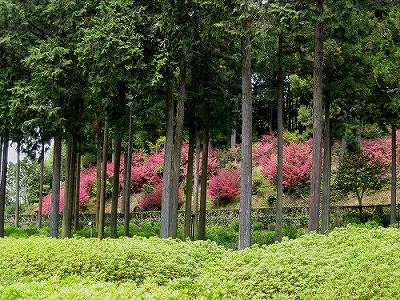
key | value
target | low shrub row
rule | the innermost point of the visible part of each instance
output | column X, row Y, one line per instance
column 350, row 263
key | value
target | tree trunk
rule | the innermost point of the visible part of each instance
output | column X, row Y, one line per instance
column 98, row 173
column 196, row 184
column 279, row 198
column 203, row 188
column 55, row 188
column 40, row 210
column 127, row 190
column 344, row 148
column 18, row 179
column 189, row 184
column 246, row 158
column 3, row 183
column 394, row 178
column 77, row 190
column 169, row 147
column 115, row 188
column 317, row 125
column 103, row 184
column 326, row 185
column 70, row 189
column 1, row 153
column 233, row 138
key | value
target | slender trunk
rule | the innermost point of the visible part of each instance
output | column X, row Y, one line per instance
column 4, row 165
column 127, row 190
column 344, row 150
column 189, row 184
column 326, row 184
column 18, row 179
column 359, row 198
column 55, row 188
column 279, row 200
column 196, row 184
column 40, row 211
column 246, row 163
column 115, row 188
column 70, row 189
column 394, row 178
column 169, row 147
column 1, row 153
column 203, row 188
column 103, row 184
column 77, row 190
column 233, row 138
column 98, row 173
column 317, row 125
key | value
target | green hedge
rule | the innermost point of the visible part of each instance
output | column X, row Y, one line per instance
column 351, row 263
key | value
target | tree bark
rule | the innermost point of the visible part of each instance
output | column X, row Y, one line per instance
column 98, row 173
column 169, row 147
column 233, row 138
column 103, row 184
column 344, row 148
column 1, row 153
column 326, row 185
column 127, row 190
column 4, row 165
column 55, row 188
column 70, row 189
column 18, row 179
column 189, row 184
column 393, row 189
column 246, row 155
column 40, row 210
column 196, row 184
column 115, row 188
column 203, row 188
column 77, row 190
column 279, row 197
column 315, row 196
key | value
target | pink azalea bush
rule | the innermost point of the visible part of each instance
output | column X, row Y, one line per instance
column 264, row 147
column 152, row 200
column 297, row 165
column 225, row 185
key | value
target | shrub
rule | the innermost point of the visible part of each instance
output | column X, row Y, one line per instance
column 225, row 186
column 260, row 185
column 297, row 164
column 152, row 199
column 264, row 147
column 359, row 173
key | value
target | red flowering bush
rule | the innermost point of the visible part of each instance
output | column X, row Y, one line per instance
column 297, row 165
column 264, row 147
column 224, row 187
column 152, row 200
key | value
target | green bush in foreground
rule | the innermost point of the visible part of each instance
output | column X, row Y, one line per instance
column 350, row 263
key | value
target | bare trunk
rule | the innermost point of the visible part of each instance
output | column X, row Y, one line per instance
column 169, row 147
column 189, row 184
column 98, row 174
column 233, row 138
column 77, row 190
column 115, row 188
column 203, row 183
column 127, row 190
column 40, row 210
column 1, row 153
column 279, row 200
column 344, row 147
column 196, row 184
column 4, row 165
column 246, row 157
column 18, row 179
column 55, row 188
column 70, row 190
column 394, row 178
column 315, row 196
column 100, row 231
column 326, row 185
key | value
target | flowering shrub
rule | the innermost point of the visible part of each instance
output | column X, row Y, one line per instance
column 152, row 200
column 297, row 164
column 225, row 186
column 264, row 147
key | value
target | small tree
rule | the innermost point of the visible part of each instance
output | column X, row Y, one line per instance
column 358, row 173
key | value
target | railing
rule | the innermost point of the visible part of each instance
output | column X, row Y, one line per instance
column 266, row 215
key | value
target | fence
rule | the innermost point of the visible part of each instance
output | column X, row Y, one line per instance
column 292, row 215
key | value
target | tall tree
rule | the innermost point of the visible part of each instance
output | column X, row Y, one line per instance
column 313, row 223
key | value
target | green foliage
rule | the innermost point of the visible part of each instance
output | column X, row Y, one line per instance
column 358, row 173
column 261, row 187
column 345, row 264
column 108, row 188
